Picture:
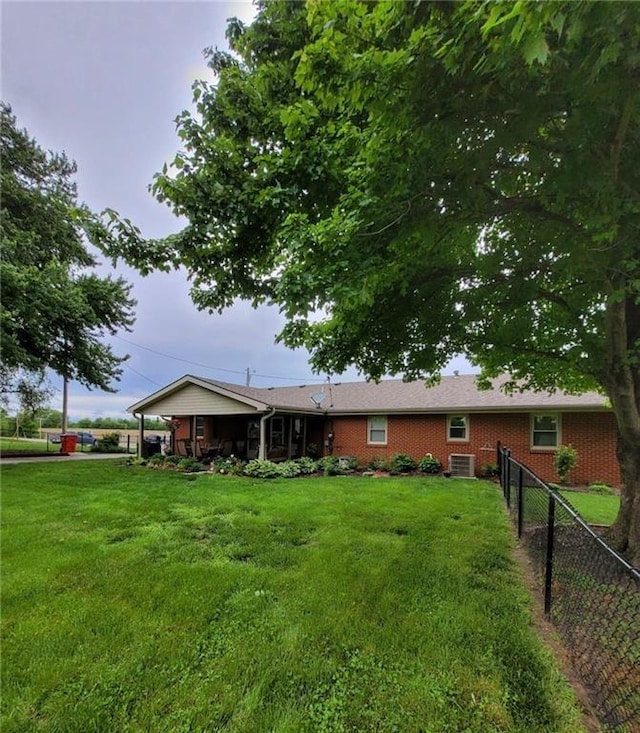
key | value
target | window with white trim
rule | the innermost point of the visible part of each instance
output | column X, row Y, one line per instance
column 458, row 427
column 199, row 426
column 377, row 430
column 545, row 431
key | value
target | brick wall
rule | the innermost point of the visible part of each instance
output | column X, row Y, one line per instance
column 592, row 434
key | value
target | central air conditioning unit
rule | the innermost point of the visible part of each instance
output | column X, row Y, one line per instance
column 462, row 465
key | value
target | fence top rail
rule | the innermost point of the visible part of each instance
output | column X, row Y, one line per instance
column 558, row 498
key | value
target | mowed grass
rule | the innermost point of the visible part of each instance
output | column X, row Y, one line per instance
column 594, row 508
column 141, row 600
column 15, row 445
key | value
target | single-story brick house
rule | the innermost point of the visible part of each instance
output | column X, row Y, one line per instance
column 454, row 421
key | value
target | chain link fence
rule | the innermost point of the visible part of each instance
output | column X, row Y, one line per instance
column 591, row 593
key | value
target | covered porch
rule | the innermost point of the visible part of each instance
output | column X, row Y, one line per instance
column 210, row 419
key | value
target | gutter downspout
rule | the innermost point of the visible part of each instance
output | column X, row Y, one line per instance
column 262, row 450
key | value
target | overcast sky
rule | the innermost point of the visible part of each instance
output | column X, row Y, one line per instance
column 103, row 82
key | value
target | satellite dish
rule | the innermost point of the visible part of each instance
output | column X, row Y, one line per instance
column 317, row 398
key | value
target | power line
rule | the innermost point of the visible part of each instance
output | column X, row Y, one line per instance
column 211, row 368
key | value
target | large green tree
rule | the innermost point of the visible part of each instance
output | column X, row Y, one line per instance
column 54, row 310
column 411, row 180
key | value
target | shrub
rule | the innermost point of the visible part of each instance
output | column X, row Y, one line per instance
column 307, row 465
column 429, row 464
column 189, row 465
column 290, row 469
column 156, row 460
column 330, row 465
column 172, row 460
column 402, row 463
column 108, row 443
column 489, row 470
column 232, row 466
column 109, row 440
column 262, row 469
column 348, row 463
column 599, row 487
column 378, row 464
column 564, row 461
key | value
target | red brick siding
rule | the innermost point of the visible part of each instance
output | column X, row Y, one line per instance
column 592, row 434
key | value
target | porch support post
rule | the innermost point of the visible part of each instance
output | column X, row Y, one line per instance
column 262, row 449
column 140, row 435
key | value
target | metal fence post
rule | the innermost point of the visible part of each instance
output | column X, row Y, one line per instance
column 128, row 444
column 548, row 577
column 507, row 487
column 520, row 503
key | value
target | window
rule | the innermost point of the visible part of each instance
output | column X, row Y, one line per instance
column 199, row 426
column 545, row 431
column 457, row 427
column 377, row 430
column 277, row 432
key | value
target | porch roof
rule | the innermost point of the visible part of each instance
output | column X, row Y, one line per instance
column 454, row 393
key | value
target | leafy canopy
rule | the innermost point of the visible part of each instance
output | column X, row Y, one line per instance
column 54, row 309
column 411, row 180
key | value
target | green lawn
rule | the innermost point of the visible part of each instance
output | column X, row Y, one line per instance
column 23, row 445
column 140, row 600
column 594, row 508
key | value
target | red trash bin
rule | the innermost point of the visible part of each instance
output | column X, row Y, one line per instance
column 68, row 443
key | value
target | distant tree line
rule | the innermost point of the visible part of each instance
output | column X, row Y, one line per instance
column 26, row 425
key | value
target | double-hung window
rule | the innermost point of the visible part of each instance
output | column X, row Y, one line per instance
column 458, row 427
column 377, row 430
column 545, row 431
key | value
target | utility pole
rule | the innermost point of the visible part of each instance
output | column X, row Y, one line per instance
column 65, row 403
column 248, row 378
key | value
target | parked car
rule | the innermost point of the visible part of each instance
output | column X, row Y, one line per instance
column 82, row 437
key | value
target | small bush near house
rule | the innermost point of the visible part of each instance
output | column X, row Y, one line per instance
column 489, row 470
column 156, row 460
column 564, row 461
column 379, row 464
column 189, row 465
column 290, row 469
column 402, row 463
column 429, row 464
column 599, row 487
column 232, row 466
column 348, row 463
column 329, row 465
column 262, row 469
column 307, row 465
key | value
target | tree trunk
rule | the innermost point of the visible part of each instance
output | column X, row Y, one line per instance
column 624, row 533
column 622, row 381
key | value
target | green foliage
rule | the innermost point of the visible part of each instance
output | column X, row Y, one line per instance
column 329, row 465
column 429, row 464
column 54, row 310
column 109, row 440
column 416, row 172
column 402, row 463
column 564, row 461
column 304, row 606
column 189, row 465
column 156, row 460
column 262, row 469
column 489, row 469
column 378, row 463
column 230, row 466
column 307, row 465
column 290, row 469
column 599, row 487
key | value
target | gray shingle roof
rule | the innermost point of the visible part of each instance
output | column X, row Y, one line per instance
column 454, row 393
